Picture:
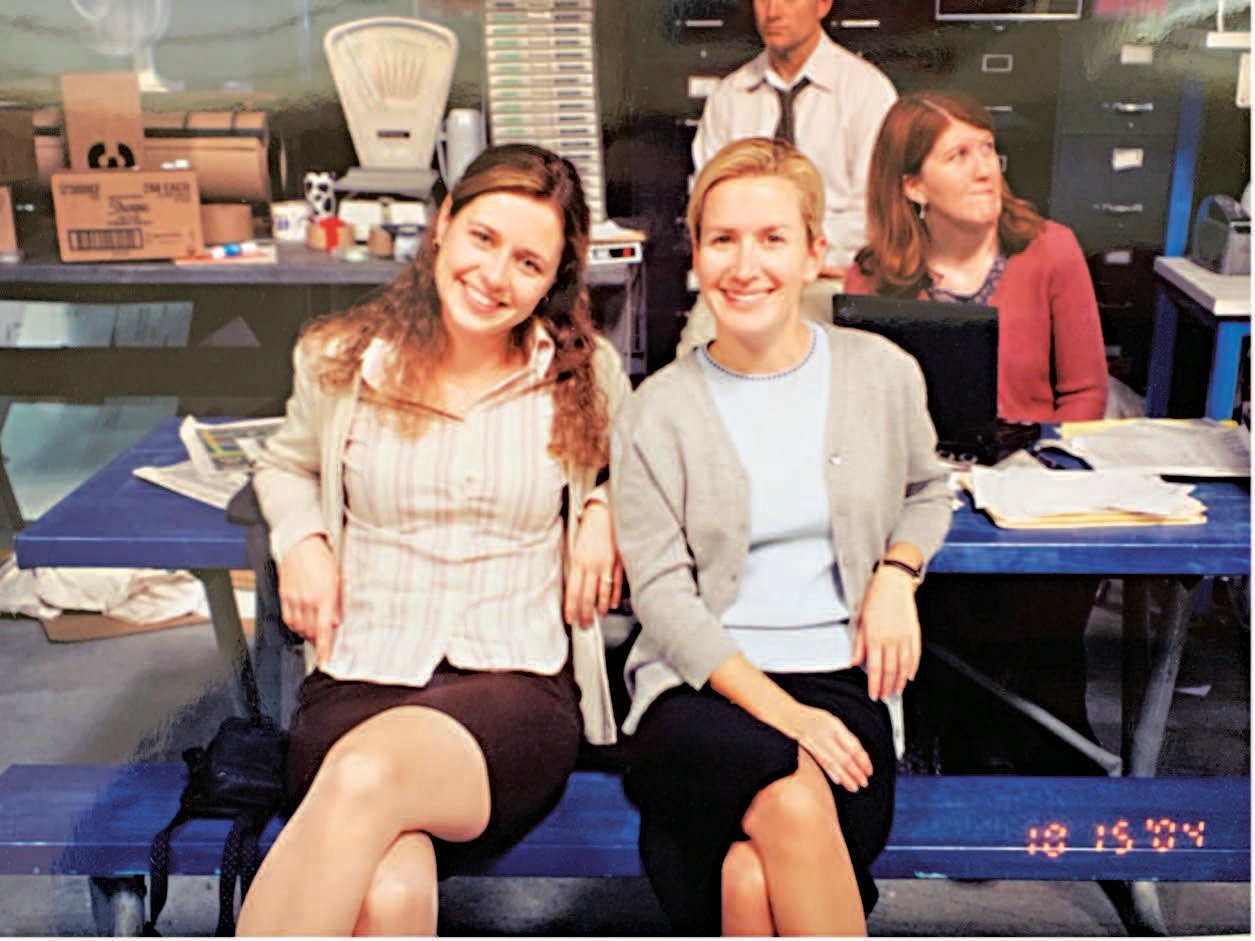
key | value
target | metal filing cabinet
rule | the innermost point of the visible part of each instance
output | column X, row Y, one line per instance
column 1118, row 109
column 1119, row 104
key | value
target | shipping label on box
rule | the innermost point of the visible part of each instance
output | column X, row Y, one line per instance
column 117, row 215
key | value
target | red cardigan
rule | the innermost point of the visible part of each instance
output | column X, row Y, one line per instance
column 1045, row 302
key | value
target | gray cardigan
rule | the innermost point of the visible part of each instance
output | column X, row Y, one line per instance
column 681, row 502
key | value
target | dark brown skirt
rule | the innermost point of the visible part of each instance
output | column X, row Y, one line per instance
column 528, row 727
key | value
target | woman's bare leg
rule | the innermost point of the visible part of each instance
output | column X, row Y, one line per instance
column 745, row 906
column 406, row 769
column 793, row 828
column 402, row 898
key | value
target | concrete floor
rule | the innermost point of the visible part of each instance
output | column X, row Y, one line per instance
column 146, row 697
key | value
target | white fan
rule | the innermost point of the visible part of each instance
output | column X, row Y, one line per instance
column 129, row 28
column 393, row 76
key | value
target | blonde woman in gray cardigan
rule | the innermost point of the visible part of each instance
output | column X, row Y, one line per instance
column 776, row 497
column 415, row 494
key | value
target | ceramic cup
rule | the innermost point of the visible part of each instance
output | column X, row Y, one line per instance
column 288, row 220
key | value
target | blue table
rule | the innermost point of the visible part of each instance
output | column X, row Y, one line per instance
column 116, row 519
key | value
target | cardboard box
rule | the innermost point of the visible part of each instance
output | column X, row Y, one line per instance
column 104, row 129
column 8, row 229
column 17, row 146
column 119, row 215
column 231, row 151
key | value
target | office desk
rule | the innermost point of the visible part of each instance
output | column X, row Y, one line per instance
column 116, row 519
column 119, row 520
column 1223, row 302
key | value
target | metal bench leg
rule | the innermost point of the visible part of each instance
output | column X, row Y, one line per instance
column 118, row 905
column 229, row 634
column 1137, row 904
column 1151, row 659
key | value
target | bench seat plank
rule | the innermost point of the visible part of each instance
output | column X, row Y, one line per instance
column 98, row 820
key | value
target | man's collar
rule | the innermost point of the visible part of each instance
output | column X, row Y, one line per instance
column 818, row 68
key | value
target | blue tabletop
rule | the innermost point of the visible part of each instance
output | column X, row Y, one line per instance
column 117, row 520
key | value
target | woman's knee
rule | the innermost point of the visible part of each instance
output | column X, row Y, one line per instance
column 402, row 896
column 356, row 773
column 743, row 882
column 794, row 807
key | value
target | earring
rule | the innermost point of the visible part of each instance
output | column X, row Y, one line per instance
column 920, row 209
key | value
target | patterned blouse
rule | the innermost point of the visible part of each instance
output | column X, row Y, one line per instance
column 453, row 540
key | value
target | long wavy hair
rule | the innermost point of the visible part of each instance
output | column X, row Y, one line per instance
column 407, row 312
column 896, row 255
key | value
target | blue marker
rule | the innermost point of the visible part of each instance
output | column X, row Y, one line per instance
column 233, row 249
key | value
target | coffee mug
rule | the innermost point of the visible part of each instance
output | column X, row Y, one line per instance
column 289, row 219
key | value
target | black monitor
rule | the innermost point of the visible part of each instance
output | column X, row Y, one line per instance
column 956, row 346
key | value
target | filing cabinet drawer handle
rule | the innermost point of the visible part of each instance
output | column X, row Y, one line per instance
column 1119, row 209
column 703, row 24
column 859, row 24
column 1130, row 107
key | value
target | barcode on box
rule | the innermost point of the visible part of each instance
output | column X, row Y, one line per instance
column 103, row 240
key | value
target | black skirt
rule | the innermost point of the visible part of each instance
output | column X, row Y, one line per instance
column 528, row 727
column 696, row 763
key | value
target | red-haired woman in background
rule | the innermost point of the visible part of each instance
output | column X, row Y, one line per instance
column 943, row 224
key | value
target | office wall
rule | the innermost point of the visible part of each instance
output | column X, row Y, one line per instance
column 268, row 55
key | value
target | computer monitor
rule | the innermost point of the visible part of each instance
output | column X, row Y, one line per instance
column 956, row 346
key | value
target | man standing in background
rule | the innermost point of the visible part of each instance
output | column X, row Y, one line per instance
column 824, row 100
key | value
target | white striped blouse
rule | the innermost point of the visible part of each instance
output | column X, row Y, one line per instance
column 453, row 540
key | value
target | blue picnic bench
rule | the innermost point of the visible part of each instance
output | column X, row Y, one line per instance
column 98, row 821
column 1126, row 832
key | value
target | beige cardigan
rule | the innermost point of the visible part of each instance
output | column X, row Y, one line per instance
column 300, row 486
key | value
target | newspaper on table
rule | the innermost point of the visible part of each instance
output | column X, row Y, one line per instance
column 1198, row 447
column 220, row 456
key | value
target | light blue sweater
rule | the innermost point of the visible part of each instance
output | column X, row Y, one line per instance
column 789, row 614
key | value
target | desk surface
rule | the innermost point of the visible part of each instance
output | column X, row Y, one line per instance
column 1225, row 295
column 116, row 519
column 297, row 265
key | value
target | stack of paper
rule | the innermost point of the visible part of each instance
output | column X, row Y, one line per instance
column 1019, row 497
column 220, row 457
column 1170, row 447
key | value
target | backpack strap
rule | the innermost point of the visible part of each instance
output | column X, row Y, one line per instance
column 241, row 858
column 159, row 870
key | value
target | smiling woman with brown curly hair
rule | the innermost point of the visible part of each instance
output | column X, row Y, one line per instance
column 415, row 494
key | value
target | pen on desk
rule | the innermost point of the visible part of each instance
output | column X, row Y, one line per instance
column 232, row 249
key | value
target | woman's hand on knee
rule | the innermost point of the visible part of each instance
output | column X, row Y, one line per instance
column 594, row 579
column 309, row 593
column 835, row 748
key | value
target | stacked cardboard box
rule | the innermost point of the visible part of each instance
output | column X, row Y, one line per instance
column 108, row 205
